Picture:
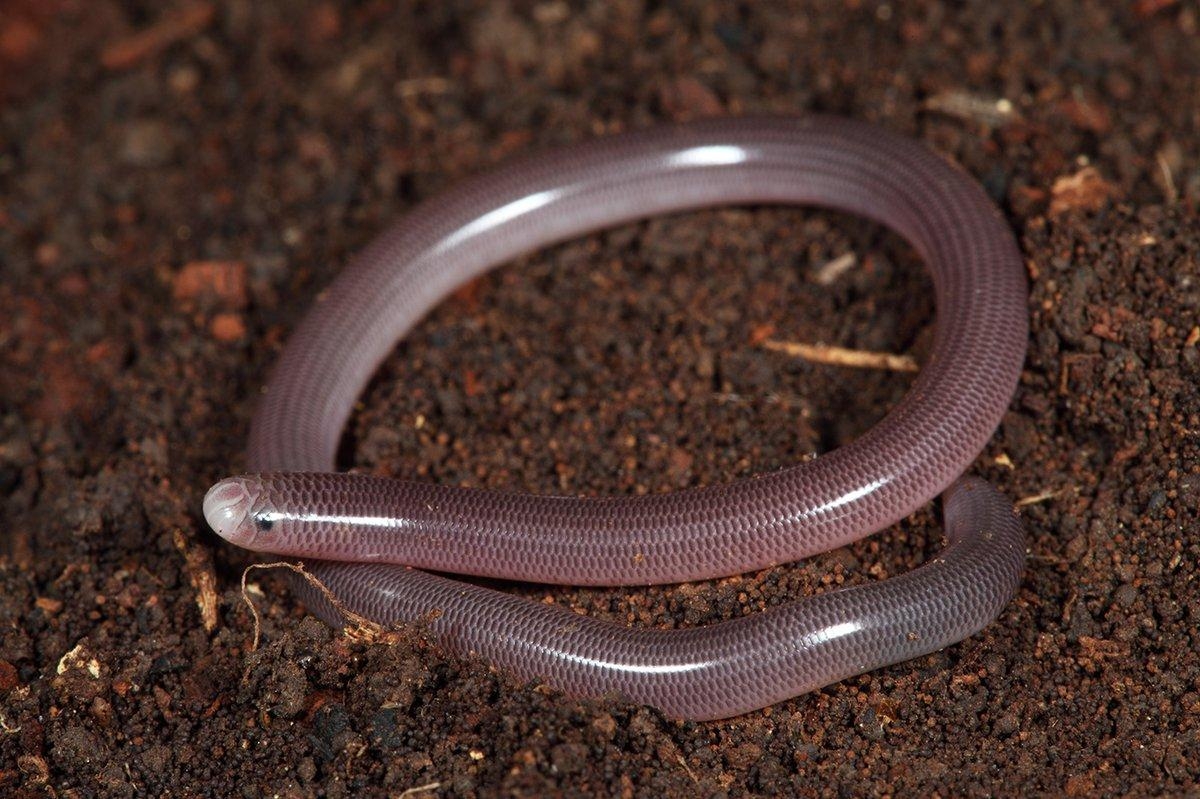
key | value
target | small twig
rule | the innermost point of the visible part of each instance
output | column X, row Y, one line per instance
column 172, row 27
column 832, row 270
column 994, row 112
column 429, row 786
column 413, row 87
column 841, row 356
column 1044, row 496
column 1168, row 179
column 686, row 768
column 789, row 401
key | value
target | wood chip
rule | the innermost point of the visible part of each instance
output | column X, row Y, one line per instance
column 199, row 569
column 1086, row 190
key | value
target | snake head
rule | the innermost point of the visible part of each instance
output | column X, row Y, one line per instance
column 235, row 511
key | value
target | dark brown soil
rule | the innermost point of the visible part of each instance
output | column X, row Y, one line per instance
column 178, row 181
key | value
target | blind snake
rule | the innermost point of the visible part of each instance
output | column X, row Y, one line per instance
column 368, row 539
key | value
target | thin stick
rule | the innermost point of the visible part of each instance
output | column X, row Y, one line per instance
column 841, row 356
column 1044, row 496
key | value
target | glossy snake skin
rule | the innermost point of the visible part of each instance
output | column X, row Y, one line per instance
column 368, row 538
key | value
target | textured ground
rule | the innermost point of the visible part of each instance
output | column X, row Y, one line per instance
column 177, row 182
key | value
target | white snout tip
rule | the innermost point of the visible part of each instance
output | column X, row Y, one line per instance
column 226, row 506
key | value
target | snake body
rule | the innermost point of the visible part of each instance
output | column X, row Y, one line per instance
column 368, row 539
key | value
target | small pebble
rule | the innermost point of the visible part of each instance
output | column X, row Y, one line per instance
column 147, row 143
column 227, row 327
column 224, row 281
